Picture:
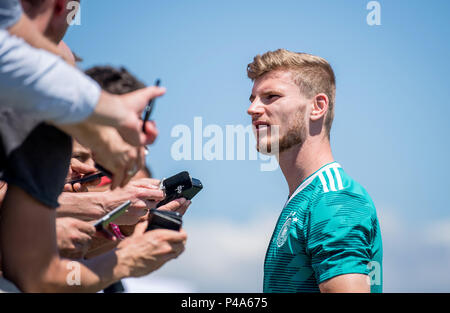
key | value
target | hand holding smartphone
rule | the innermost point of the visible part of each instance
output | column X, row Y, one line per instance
column 178, row 186
column 102, row 224
column 165, row 220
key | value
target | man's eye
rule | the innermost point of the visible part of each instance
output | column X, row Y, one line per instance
column 272, row 97
column 80, row 158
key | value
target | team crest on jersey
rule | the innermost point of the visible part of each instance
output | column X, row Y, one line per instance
column 284, row 232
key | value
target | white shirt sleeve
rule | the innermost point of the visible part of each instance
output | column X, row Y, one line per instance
column 36, row 82
column 10, row 13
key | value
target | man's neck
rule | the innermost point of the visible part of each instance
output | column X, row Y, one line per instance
column 301, row 161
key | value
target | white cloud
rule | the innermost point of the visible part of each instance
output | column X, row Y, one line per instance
column 391, row 223
column 438, row 233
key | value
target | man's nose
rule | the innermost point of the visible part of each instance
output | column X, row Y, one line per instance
column 256, row 108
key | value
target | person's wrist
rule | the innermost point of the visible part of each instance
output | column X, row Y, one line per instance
column 102, row 202
column 96, row 208
column 111, row 200
column 109, row 111
column 124, row 263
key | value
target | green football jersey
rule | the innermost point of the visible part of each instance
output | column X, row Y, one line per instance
column 327, row 228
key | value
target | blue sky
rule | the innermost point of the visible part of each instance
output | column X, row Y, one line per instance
column 390, row 131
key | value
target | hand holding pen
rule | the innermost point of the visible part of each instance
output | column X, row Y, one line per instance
column 149, row 108
column 149, row 131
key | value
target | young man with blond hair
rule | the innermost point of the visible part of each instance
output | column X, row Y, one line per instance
column 327, row 237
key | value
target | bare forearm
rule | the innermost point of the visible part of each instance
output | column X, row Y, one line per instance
column 108, row 268
column 85, row 206
column 95, row 274
column 50, row 273
column 85, row 276
column 109, row 111
column 100, row 246
column 30, row 256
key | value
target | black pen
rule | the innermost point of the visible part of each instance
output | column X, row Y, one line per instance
column 103, row 170
column 149, row 107
column 87, row 179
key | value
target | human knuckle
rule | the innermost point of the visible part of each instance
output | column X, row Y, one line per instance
column 166, row 248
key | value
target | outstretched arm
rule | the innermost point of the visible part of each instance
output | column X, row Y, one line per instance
column 30, row 256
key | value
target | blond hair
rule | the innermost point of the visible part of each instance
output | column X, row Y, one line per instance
column 312, row 74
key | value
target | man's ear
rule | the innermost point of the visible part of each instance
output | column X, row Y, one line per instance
column 59, row 7
column 319, row 106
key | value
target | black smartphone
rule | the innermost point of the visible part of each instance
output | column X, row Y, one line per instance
column 149, row 108
column 178, row 186
column 103, row 223
column 165, row 220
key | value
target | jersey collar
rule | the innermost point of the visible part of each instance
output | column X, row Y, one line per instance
column 308, row 180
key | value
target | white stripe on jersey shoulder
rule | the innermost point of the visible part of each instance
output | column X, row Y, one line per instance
column 327, row 169
column 331, row 180
column 339, row 178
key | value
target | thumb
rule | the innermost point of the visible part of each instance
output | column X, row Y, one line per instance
column 147, row 94
column 140, row 228
column 81, row 168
